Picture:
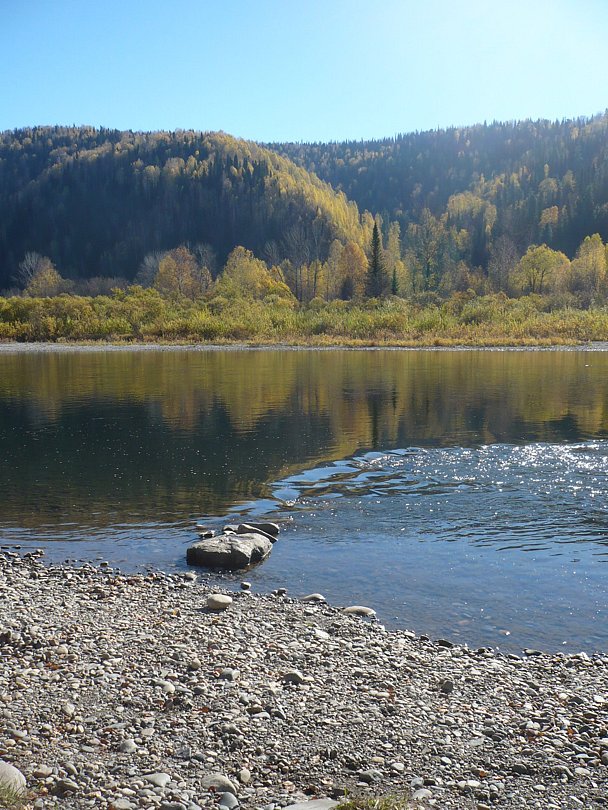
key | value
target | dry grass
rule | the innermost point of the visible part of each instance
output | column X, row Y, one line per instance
column 11, row 799
column 378, row 803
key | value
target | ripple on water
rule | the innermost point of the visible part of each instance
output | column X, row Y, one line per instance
column 473, row 543
column 500, row 545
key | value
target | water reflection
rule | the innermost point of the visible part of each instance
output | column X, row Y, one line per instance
column 463, row 493
column 120, row 436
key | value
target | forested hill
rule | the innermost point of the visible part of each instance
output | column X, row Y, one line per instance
column 531, row 181
column 469, row 201
column 96, row 201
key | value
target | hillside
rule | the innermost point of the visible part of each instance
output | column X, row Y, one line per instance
column 529, row 181
column 97, row 201
column 460, row 207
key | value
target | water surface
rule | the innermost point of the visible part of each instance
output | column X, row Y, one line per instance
column 462, row 494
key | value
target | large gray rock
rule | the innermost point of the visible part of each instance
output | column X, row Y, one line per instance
column 11, row 777
column 256, row 528
column 267, row 527
column 229, row 552
column 218, row 601
column 160, row 780
column 218, row 781
column 359, row 610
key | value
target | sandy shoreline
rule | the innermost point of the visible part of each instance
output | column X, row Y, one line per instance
column 106, row 679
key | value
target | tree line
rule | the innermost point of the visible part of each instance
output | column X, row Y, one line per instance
column 514, row 208
column 96, row 202
column 496, row 187
column 347, row 274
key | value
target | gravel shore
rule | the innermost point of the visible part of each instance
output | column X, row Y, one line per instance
column 124, row 691
column 101, row 346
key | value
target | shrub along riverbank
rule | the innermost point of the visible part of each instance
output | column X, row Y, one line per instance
column 139, row 314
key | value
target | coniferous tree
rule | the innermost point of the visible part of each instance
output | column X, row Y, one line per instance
column 376, row 273
column 394, row 283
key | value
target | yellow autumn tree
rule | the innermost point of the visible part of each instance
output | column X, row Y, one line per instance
column 540, row 269
column 46, row 281
column 180, row 274
column 244, row 276
column 352, row 268
column 589, row 274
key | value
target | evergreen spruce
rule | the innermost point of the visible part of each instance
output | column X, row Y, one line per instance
column 394, row 283
column 375, row 285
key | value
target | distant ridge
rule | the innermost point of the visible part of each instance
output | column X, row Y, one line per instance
column 547, row 180
column 97, row 200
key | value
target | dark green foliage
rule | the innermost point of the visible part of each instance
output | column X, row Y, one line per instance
column 375, row 284
column 547, row 180
column 469, row 201
column 97, row 201
column 394, row 283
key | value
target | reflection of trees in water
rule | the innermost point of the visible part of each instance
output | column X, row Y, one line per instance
column 195, row 431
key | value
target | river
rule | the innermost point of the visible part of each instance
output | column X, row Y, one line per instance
column 461, row 494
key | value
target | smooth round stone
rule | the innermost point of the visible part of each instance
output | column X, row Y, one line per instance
column 218, row 601
column 314, row 597
column 11, row 777
column 359, row 610
column 244, row 776
column 245, row 586
column 68, row 709
column 294, row 676
column 219, row 782
column 160, row 780
column 313, row 804
column 370, row 776
column 229, row 674
column 421, row 794
column 228, row 800
column 127, row 746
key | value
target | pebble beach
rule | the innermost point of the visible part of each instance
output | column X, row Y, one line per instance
column 129, row 691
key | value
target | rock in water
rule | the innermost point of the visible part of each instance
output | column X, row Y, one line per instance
column 11, row 777
column 229, row 552
column 267, row 527
column 255, row 528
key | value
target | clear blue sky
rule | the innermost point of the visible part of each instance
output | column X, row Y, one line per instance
column 273, row 70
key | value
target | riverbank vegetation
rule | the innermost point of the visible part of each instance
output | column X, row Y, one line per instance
column 552, row 300
column 139, row 314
